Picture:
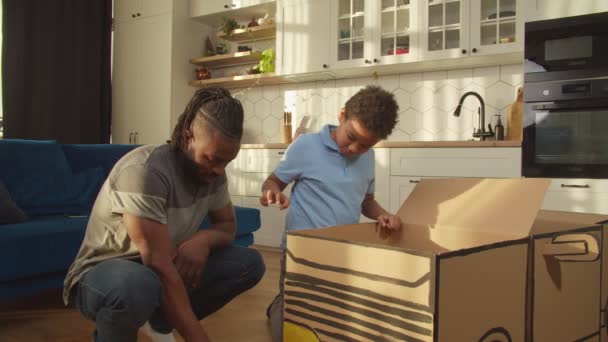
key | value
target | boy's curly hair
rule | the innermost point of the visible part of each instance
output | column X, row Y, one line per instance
column 375, row 108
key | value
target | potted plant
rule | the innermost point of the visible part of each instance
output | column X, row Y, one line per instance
column 229, row 25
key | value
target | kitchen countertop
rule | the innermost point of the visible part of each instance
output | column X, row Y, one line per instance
column 406, row 144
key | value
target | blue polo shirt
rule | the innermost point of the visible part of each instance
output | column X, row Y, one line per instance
column 329, row 188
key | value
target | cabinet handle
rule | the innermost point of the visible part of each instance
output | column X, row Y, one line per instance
column 139, row 14
column 233, row 5
column 137, row 137
column 131, row 138
column 226, row 6
column 474, row 50
column 464, row 51
column 281, row 153
column 325, row 66
column 376, row 60
column 578, row 186
column 133, row 15
column 414, row 181
column 367, row 61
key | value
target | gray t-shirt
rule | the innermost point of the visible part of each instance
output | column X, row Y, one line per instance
column 153, row 182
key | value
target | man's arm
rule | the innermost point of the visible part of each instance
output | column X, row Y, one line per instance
column 222, row 231
column 154, row 244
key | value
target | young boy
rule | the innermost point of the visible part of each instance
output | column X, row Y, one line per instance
column 333, row 171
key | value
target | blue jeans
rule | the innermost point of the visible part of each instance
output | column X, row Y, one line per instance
column 121, row 295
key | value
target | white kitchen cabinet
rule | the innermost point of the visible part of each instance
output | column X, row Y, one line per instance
column 352, row 32
column 578, row 195
column 372, row 32
column 303, row 36
column 382, row 173
column 494, row 162
column 460, row 28
column 395, row 32
column 551, row 9
column 272, row 223
column 199, row 8
column 151, row 71
column 125, row 10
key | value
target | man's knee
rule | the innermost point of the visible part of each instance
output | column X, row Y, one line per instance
column 135, row 295
column 254, row 267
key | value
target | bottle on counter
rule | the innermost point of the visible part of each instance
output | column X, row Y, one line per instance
column 499, row 129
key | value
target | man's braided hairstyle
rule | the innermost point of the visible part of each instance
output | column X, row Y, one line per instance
column 218, row 108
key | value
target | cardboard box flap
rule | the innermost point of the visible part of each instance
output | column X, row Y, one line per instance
column 410, row 238
column 548, row 221
column 501, row 206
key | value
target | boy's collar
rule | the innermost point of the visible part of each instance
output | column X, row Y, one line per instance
column 326, row 137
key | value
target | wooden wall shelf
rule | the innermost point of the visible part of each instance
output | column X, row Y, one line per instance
column 250, row 34
column 240, row 81
column 232, row 59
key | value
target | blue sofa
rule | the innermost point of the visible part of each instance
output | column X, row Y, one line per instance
column 56, row 186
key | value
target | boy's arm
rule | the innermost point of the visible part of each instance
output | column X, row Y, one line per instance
column 373, row 210
column 272, row 192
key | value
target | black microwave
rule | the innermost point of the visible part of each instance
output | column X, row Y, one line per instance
column 566, row 48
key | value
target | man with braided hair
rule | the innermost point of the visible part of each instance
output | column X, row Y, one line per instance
column 143, row 261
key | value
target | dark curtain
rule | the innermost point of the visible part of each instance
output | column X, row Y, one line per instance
column 56, row 63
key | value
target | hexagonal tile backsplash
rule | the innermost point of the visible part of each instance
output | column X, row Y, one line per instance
column 426, row 102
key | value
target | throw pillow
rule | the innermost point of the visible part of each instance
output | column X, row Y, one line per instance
column 9, row 211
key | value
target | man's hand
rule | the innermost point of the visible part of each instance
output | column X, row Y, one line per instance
column 392, row 222
column 270, row 196
column 190, row 258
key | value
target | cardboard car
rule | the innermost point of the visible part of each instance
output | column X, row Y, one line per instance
column 475, row 260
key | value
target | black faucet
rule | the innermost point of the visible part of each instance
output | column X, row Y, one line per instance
column 481, row 132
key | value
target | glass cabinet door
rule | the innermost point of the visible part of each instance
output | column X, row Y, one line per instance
column 398, row 30
column 495, row 26
column 351, row 30
column 444, row 27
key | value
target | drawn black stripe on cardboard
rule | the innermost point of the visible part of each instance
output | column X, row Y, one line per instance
column 322, row 284
column 374, row 277
column 408, row 314
column 349, row 327
column 396, row 322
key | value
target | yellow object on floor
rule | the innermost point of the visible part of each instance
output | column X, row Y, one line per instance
column 293, row 332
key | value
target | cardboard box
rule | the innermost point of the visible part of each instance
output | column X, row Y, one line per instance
column 475, row 261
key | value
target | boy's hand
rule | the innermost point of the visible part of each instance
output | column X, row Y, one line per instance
column 392, row 222
column 274, row 197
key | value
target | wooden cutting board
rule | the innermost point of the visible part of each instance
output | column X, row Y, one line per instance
column 515, row 118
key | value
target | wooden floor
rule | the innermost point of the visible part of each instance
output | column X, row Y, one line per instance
column 44, row 318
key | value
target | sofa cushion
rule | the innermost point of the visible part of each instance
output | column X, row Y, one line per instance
column 9, row 211
column 77, row 194
column 40, row 246
column 247, row 220
column 83, row 157
column 25, row 159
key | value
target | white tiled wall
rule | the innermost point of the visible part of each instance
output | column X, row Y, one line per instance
column 426, row 102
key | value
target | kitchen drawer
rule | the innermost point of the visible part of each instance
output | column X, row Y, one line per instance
column 492, row 162
column 261, row 160
column 252, row 183
column 579, row 185
column 577, row 201
column 234, row 174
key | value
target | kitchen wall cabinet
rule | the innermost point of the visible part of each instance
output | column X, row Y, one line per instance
column 151, row 71
column 302, row 36
column 461, row 28
column 199, row 8
column 126, row 10
column 551, row 9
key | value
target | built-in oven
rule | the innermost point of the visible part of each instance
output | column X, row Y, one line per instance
column 566, row 129
column 566, row 48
